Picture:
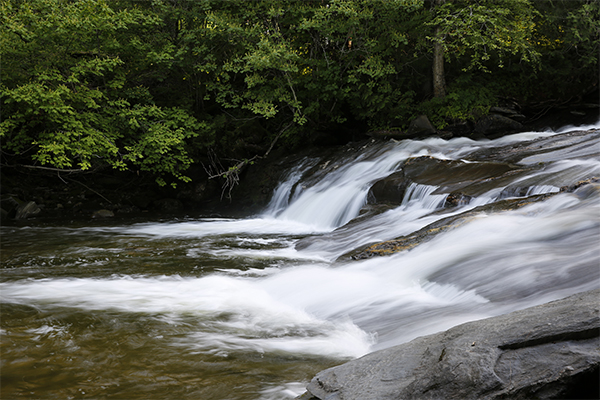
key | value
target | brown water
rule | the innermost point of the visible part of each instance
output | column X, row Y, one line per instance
column 54, row 351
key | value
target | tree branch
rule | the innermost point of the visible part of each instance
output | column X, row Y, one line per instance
column 51, row 169
column 232, row 175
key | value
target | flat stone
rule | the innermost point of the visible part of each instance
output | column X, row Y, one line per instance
column 547, row 351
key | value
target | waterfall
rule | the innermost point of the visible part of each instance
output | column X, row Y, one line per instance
column 281, row 288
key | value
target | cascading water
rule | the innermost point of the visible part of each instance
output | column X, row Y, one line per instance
column 252, row 308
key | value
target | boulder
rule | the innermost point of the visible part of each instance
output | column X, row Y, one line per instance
column 494, row 125
column 544, row 149
column 543, row 352
column 421, row 127
column 509, row 112
column 462, row 128
column 389, row 190
column 9, row 205
column 463, row 180
column 394, row 134
column 103, row 214
column 27, row 210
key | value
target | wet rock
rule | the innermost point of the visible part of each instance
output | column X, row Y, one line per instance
column 430, row 231
column 463, row 128
column 494, row 125
column 389, row 190
column 452, row 175
column 577, row 185
column 463, row 179
column 103, row 214
column 569, row 145
column 547, row 351
column 457, row 199
column 394, row 134
column 27, row 210
column 445, row 134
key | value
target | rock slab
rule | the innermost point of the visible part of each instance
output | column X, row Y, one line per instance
column 545, row 352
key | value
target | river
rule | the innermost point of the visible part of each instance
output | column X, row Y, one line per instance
column 252, row 308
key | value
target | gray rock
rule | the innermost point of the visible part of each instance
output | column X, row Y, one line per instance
column 103, row 214
column 27, row 210
column 421, row 126
column 394, row 134
column 493, row 125
column 547, row 351
column 10, row 203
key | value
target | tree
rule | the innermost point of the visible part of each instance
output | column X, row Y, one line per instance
column 439, row 77
column 475, row 37
column 70, row 92
column 155, row 86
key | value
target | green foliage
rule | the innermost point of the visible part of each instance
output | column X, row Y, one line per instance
column 466, row 100
column 155, row 85
column 484, row 31
column 70, row 98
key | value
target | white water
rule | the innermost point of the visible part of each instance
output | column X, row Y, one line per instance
column 307, row 301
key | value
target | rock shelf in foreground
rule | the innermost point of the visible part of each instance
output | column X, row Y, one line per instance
column 551, row 351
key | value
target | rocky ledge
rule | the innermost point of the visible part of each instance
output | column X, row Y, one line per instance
column 551, row 351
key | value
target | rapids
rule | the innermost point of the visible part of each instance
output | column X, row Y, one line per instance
column 222, row 308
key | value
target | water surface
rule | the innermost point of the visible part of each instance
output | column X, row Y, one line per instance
column 206, row 308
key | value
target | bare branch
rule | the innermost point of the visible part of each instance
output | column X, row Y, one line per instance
column 51, row 169
column 232, row 175
column 90, row 189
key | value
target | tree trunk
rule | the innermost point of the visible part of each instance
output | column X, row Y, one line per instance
column 439, row 80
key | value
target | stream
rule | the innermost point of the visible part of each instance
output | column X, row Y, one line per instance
column 253, row 308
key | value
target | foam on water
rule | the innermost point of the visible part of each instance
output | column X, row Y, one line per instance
column 305, row 300
column 235, row 313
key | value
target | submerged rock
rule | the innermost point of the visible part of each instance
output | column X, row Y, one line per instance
column 564, row 146
column 583, row 189
column 428, row 232
column 548, row 351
